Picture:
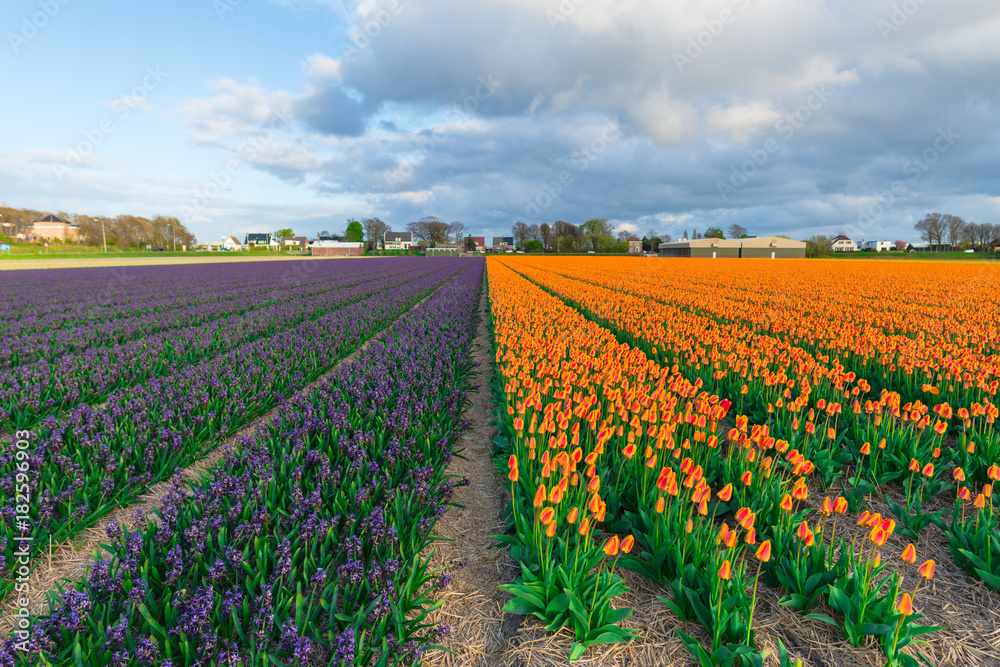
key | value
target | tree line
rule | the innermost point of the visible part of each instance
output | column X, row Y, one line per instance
column 125, row 232
column 936, row 228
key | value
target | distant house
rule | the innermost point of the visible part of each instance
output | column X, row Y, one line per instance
column 479, row 243
column 397, row 240
column 52, row 227
column 842, row 243
column 635, row 246
column 503, row 243
column 877, row 246
column 257, row 240
column 230, row 243
column 297, row 242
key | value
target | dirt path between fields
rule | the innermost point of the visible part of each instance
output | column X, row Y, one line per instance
column 71, row 560
column 471, row 604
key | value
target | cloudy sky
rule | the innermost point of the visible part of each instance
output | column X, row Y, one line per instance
column 784, row 116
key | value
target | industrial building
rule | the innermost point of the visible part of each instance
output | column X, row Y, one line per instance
column 761, row 247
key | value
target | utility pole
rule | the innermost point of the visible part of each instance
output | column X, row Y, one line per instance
column 104, row 236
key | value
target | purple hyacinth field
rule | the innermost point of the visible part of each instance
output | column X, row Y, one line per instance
column 303, row 544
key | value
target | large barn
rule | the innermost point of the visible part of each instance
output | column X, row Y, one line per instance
column 763, row 247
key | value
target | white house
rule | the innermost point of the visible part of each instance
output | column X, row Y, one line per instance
column 397, row 240
column 843, row 244
column 230, row 243
column 877, row 246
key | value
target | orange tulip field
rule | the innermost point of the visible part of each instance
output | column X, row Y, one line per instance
column 716, row 426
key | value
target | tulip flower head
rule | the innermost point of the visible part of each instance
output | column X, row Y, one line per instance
column 905, row 606
column 763, row 553
column 725, row 572
column 628, row 543
column 610, row 547
column 927, row 569
column 909, row 554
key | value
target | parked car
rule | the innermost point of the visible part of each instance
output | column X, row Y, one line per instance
column 157, row 249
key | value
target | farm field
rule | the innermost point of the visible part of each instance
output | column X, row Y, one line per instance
column 665, row 462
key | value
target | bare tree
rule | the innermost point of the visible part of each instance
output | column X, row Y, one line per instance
column 665, row 239
column 458, row 232
column 737, row 231
column 956, row 229
column 624, row 235
column 520, row 233
column 932, row 229
column 534, row 233
column 430, row 230
column 375, row 229
column 546, row 234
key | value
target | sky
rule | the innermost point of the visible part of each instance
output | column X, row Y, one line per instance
column 795, row 117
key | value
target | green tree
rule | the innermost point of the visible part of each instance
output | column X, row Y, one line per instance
column 714, row 233
column 355, row 232
column 534, row 245
column 281, row 233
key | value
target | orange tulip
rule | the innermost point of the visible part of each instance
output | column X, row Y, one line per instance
column 827, row 508
column 840, row 505
column 993, row 472
column 909, row 554
column 725, row 571
column 914, row 466
column 660, row 505
column 866, row 449
column 746, row 478
column 751, row 537
column 573, row 513
column 876, row 559
column 628, row 543
column 803, row 530
column 928, row 470
column 905, row 606
column 547, row 515
column 963, row 493
column 786, row 503
column 584, row 526
column 980, row 501
column 539, row 496
column 550, row 529
column 726, row 493
column 878, row 536
column 763, row 552
column 927, row 569
column 611, row 546
column 512, row 475
column 958, row 475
